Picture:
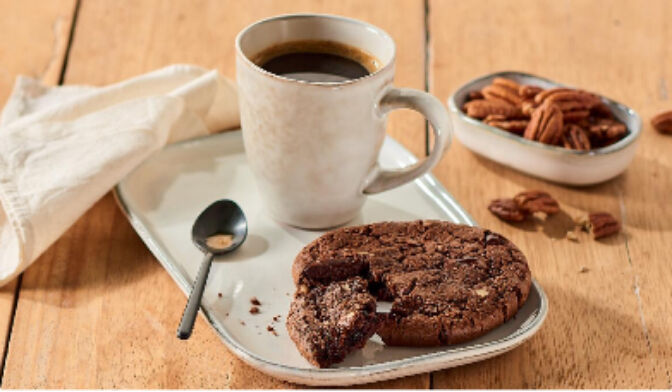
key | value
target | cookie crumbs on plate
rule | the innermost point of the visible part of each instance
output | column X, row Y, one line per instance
column 276, row 318
column 255, row 301
column 242, row 322
column 270, row 329
column 254, row 310
column 219, row 295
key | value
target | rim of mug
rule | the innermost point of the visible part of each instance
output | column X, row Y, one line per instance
column 358, row 22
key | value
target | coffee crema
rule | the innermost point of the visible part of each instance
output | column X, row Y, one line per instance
column 317, row 61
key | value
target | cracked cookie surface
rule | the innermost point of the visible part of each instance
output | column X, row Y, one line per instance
column 448, row 283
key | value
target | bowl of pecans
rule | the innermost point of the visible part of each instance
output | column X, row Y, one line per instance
column 542, row 128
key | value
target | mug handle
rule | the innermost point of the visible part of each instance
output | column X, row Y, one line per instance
column 399, row 98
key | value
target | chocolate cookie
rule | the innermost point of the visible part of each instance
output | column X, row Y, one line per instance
column 326, row 322
column 449, row 283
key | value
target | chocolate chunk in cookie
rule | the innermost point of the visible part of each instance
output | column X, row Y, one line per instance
column 326, row 322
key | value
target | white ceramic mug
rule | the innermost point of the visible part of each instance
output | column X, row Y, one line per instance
column 313, row 146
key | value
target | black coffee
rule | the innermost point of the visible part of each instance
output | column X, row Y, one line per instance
column 317, row 61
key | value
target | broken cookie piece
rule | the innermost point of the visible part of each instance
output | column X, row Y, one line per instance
column 326, row 322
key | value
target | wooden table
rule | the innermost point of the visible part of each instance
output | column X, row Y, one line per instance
column 97, row 310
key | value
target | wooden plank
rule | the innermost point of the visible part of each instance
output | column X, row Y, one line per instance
column 97, row 310
column 594, row 335
column 33, row 41
column 648, row 183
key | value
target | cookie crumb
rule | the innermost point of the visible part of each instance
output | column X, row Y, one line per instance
column 582, row 223
column 270, row 329
column 583, row 270
column 255, row 301
column 242, row 322
column 254, row 310
column 571, row 235
column 219, row 295
column 276, row 318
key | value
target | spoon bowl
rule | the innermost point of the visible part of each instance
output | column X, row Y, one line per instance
column 221, row 228
column 221, row 217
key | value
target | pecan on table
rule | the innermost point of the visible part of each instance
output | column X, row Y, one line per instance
column 537, row 201
column 603, row 224
column 575, row 138
column 663, row 122
column 545, row 125
column 507, row 209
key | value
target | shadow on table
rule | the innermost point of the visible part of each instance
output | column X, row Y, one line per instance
column 583, row 344
column 99, row 253
column 646, row 184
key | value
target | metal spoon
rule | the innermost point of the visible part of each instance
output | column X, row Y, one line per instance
column 224, row 223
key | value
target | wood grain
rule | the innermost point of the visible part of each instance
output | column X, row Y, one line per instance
column 33, row 40
column 97, row 310
column 608, row 327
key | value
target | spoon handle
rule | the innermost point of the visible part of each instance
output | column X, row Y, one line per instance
column 190, row 311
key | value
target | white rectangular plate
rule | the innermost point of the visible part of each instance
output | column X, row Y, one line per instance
column 163, row 196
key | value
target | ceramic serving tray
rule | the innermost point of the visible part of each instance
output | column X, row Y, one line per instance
column 163, row 196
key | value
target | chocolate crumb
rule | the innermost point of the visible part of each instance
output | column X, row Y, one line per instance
column 276, row 318
column 219, row 295
column 270, row 329
column 254, row 310
column 255, row 301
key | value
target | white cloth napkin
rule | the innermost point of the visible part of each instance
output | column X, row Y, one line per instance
column 63, row 148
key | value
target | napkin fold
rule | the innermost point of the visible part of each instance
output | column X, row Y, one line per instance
column 63, row 148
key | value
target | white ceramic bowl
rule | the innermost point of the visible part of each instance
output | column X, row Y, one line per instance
column 551, row 163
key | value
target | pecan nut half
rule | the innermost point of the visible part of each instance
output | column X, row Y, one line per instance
column 603, row 224
column 575, row 138
column 481, row 108
column 473, row 95
column 511, row 125
column 545, row 125
column 507, row 209
column 575, row 115
column 606, row 129
column 506, row 82
column 528, row 91
column 496, row 91
column 537, row 201
column 663, row 122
